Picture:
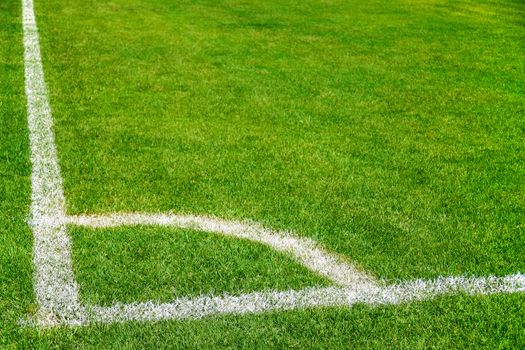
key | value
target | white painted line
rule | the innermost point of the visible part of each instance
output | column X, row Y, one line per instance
column 403, row 292
column 55, row 287
column 304, row 250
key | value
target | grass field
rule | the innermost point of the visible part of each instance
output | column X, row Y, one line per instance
column 391, row 132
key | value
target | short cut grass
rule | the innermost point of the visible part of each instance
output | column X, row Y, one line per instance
column 133, row 264
column 416, row 172
column 390, row 131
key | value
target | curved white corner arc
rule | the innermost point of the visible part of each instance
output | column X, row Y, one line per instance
column 303, row 250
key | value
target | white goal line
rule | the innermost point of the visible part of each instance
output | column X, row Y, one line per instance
column 404, row 292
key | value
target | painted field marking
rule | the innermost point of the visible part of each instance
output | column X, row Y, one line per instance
column 55, row 287
column 57, row 292
column 404, row 292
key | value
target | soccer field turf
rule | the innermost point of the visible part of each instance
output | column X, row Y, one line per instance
column 391, row 132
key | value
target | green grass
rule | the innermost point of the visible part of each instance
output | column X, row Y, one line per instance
column 148, row 263
column 16, row 291
column 391, row 131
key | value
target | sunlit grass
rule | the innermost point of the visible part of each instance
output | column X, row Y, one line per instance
column 390, row 131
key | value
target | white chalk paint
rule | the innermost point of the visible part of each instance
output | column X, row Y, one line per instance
column 403, row 292
column 55, row 287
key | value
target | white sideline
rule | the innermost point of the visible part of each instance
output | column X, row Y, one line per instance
column 404, row 292
column 57, row 292
column 55, row 287
column 304, row 250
